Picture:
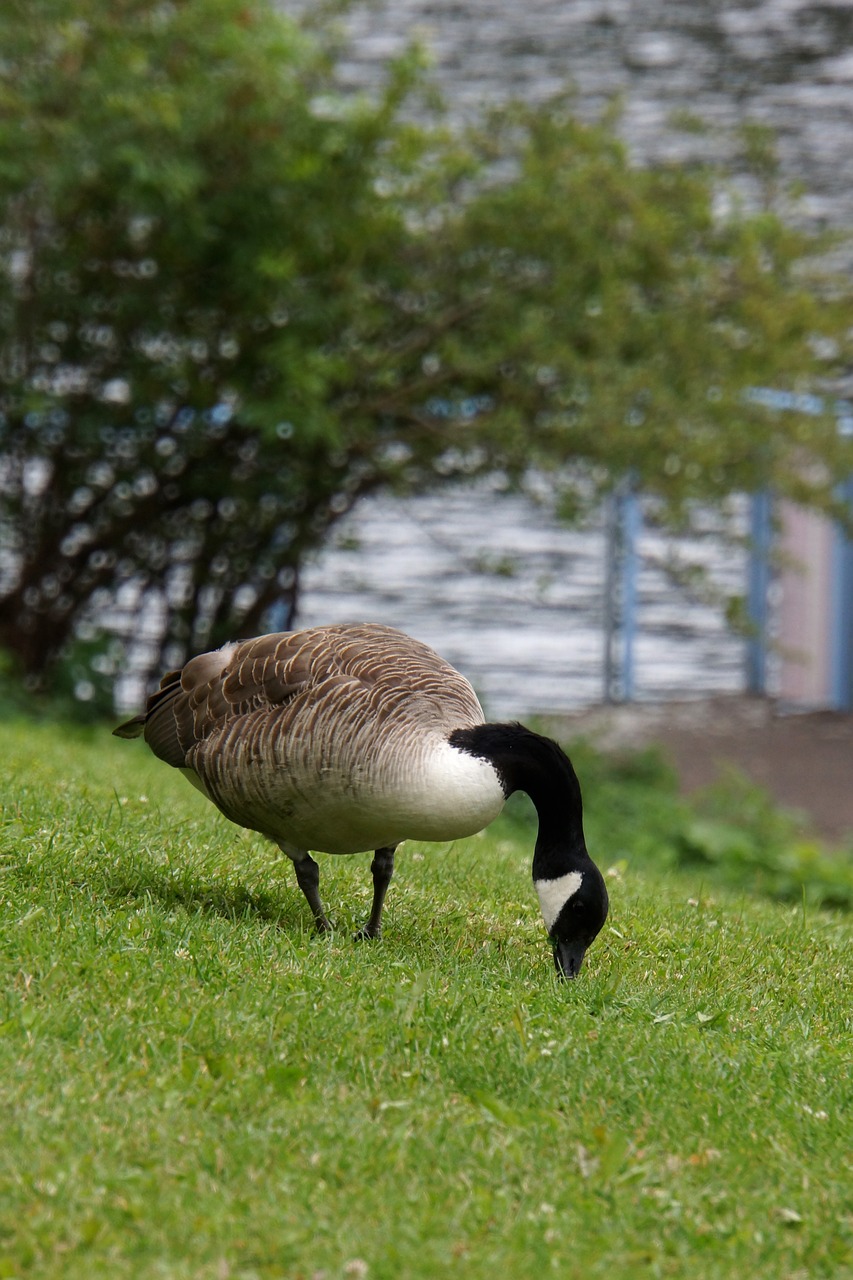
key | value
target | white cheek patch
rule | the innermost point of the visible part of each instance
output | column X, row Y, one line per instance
column 554, row 894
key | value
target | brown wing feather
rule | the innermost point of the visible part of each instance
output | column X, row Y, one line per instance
column 369, row 673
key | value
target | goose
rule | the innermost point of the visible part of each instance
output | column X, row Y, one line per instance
column 355, row 737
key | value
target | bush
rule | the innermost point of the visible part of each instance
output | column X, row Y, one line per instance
column 731, row 833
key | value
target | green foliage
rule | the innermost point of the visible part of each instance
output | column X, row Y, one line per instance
column 186, row 236
column 82, row 689
column 741, row 834
column 233, row 302
column 193, row 1085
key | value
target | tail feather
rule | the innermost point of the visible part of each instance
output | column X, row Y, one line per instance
column 161, row 721
column 133, row 729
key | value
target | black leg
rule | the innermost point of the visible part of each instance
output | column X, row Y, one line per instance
column 382, row 867
column 308, row 876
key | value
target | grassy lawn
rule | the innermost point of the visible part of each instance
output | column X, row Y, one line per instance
column 192, row 1085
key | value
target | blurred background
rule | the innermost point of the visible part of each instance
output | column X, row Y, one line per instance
column 525, row 329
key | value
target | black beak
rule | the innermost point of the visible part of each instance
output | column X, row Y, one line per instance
column 568, row 957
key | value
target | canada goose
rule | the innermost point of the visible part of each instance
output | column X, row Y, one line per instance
column 355, row 737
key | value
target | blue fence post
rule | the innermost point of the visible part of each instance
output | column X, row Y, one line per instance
column 757, row 601
column 620, row 594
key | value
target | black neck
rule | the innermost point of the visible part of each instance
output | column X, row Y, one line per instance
column 525, row 761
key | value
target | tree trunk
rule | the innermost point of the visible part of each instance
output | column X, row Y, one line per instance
column 33, row 640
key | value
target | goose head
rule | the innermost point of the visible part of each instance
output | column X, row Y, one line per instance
column 571, row 890
column 574, row 908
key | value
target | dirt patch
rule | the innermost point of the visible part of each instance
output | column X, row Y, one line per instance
column 804, row 760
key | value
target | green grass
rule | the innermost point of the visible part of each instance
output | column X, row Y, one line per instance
column 193, row 1085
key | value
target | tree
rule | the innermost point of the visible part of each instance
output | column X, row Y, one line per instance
column 234, row 303
column 185, row 233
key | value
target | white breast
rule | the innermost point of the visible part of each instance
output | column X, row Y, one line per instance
column 448, row 794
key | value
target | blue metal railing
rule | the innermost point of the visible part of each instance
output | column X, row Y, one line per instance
column 621, row 612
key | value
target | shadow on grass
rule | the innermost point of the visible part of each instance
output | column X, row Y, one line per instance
column 235, row 903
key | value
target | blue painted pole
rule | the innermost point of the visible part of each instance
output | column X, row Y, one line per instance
column 757, row 603
column 620, row 593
